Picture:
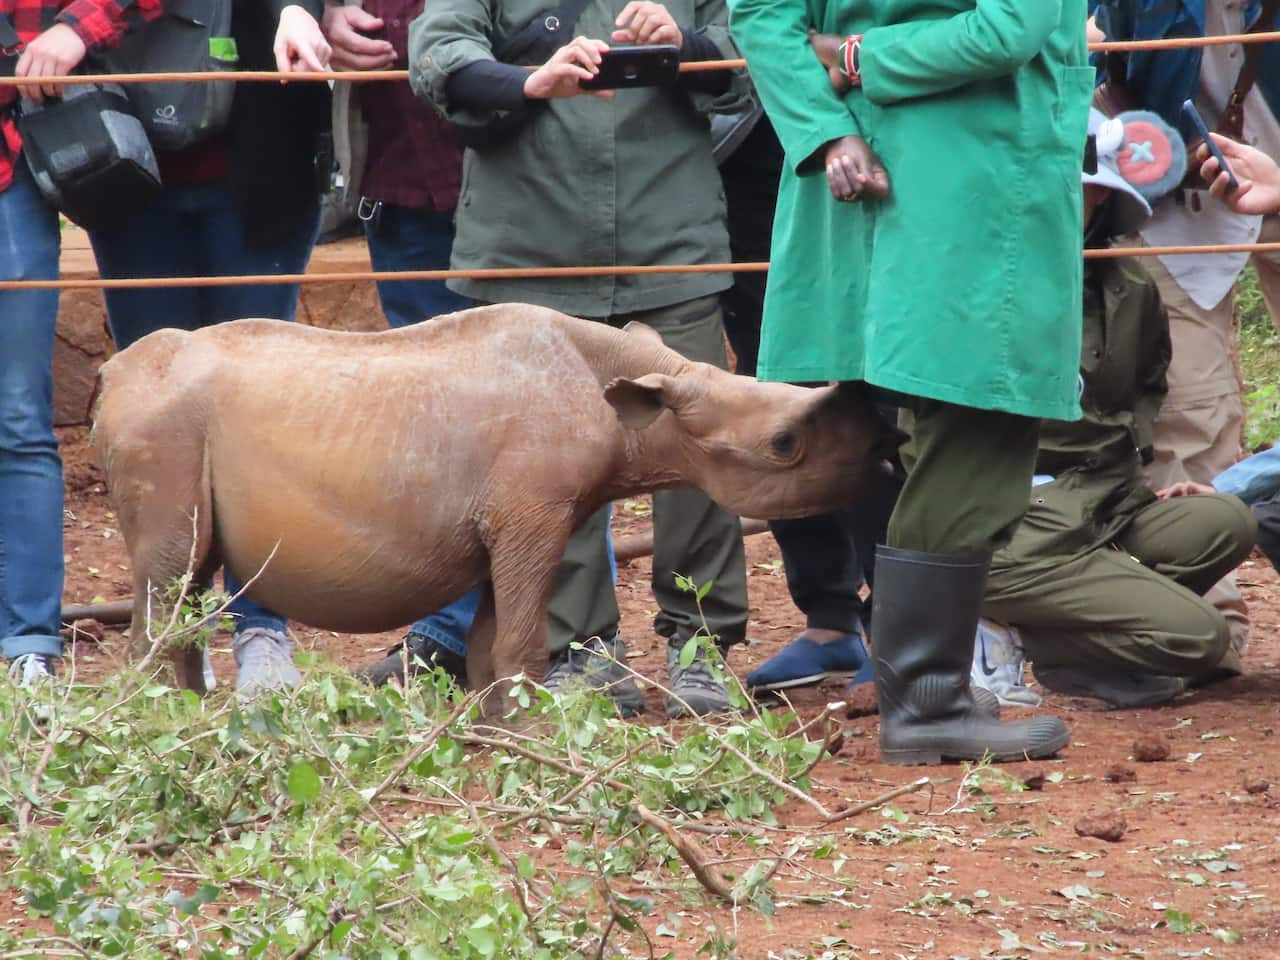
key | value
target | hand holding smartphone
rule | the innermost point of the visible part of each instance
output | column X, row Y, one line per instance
column 653, row 65
column 1192, row 115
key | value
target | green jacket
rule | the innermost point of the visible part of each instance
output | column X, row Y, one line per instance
column 964, row 284
column 1096, row 462
column 587, row 181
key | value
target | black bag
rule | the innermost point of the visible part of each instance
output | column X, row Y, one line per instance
column 192, row 36
column 89, row 155
column 531, row 45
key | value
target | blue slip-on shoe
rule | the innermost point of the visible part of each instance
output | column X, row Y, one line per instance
column 806, row 661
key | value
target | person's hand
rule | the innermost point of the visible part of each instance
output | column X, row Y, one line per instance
column 577, row 60
column 1092, row 32
column 345, row 27
column 826, row 47
column 642, row 21
column 300, row 44
column 55, row 53
column 854, row 171
column 1187, row 488
column 1257, row 174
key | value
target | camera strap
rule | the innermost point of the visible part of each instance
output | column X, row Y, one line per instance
column 11, row 46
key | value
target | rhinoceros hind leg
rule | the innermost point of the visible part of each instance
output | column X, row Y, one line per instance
column 167, row 522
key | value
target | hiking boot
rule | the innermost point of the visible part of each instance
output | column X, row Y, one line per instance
column 414, row 655
column 807, row 661
column 264, row 659
column 598, row 666
column 699, row 689
column 926, row 615
column 35, row 673
column 999, row 664
column 1117, row 689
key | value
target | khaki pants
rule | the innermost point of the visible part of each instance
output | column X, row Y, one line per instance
column 1137, row 608
column 1197, row 433
column 691, row 535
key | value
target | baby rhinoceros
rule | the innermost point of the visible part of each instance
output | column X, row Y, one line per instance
column 392, row 472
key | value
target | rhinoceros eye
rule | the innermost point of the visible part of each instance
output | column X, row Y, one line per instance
column 784, row 443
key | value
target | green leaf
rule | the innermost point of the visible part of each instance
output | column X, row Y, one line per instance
column 525, row 867
column 481, row 936
column 688, row 652
column 304, row 783
column 704, row 590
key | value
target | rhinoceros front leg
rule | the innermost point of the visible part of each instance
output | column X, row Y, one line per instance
column 523, row 564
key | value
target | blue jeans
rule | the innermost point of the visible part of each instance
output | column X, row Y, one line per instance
column 30, row 468
column 197, row 231
column 407, row 238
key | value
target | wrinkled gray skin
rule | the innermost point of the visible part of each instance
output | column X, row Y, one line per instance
column 394, row 471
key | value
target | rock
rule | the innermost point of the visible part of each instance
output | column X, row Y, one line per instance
column 1110, row 827
column 1151, row 749
column 1032, row 779
column 87, row 631
column 1257, row 785
column 1119, row 773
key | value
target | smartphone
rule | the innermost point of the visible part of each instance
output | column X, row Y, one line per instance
column 656, row 65
column 1192, row 115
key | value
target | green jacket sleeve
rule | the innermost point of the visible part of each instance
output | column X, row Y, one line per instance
column 445, row 37
column 793, row 85
column 920, row 58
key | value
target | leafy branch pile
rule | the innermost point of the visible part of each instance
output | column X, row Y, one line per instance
column 343, row 821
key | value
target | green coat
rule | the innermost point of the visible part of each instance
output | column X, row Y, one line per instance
column 964, row 285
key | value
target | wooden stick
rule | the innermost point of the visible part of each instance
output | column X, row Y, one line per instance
column 885, row 797
column 698, row 66
column 535, row 273
column 688, row 852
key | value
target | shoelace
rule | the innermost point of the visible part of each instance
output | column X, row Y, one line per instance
column 29, row 668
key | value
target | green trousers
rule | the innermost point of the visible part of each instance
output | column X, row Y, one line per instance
column 692, row 536
column 968, row 478
column 1136, row 606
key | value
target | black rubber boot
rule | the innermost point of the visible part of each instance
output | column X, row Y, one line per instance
column 926, row 612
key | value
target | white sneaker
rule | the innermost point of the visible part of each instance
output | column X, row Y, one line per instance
column 34, row 673
column 998, row 664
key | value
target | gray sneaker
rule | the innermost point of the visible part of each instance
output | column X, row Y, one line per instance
column 697, row 685
column 598, row 666
column 1116, row 689
column 264, row 659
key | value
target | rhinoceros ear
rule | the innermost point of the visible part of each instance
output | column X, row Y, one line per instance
column 639, row 401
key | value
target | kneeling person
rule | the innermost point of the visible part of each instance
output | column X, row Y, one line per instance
column 1104, row 577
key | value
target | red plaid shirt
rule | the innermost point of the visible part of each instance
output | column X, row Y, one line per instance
column 99, row 23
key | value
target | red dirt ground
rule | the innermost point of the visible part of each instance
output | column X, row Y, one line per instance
column 1003, row 874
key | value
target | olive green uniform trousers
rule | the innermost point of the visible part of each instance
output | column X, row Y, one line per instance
column 1134, row 603
column 692, row 536
column 968, row 478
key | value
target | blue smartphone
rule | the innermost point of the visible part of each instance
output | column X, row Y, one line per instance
column 1190, row 112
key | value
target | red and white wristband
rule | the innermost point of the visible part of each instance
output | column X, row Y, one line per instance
column 849, row 59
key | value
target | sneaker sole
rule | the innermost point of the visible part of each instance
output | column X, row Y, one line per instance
column 807, row 681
